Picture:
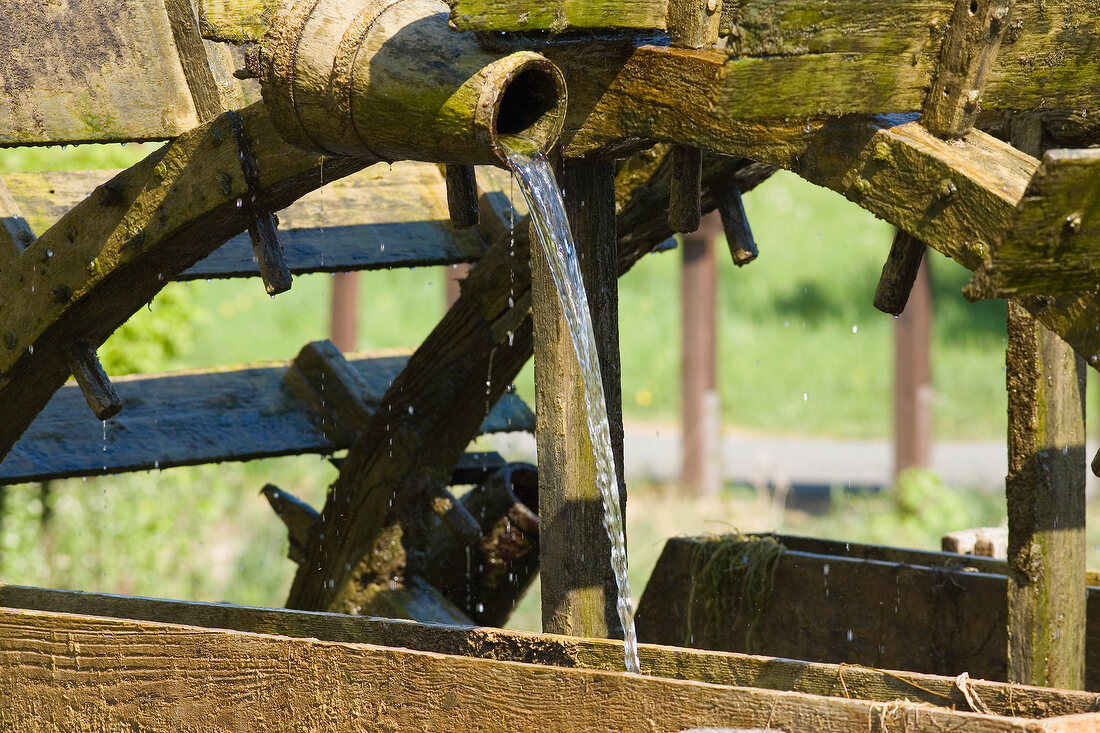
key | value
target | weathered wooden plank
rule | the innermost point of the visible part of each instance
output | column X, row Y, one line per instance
column 662, row 661
column 201, row 416
column 1053, row 245
column 236, row 21
column 111, row 260
column 74, row 672
column 578, row 596
column 70, row 70
column 898, row 613
column 1045, row 489
column 471, row 355
column 558, row 15
column 382, row 217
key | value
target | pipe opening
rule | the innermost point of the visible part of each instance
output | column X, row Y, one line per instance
column 529, row 97
column 531, row 108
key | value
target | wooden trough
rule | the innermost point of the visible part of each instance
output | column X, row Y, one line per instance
column 962, row 122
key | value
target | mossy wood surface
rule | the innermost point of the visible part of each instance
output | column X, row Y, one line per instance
column 831, row 608
column 104, row 260
column 511, row 646
column 1045, row 489
column 95, row 70
column 71, row 671
column 202, row 416
column 485, row 337
column 1054, row 240
column 382, row 217
column 578, row 596
column 237, row 21
column 558, row 15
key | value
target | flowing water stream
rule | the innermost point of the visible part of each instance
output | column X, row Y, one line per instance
column 544, row 200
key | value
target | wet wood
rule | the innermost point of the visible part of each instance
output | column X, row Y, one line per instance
column 382, row 217
column 735, row 225
column 196, row 417
column 578, row 596
column 462, row 196
column 1046, row 506
column 1053, row 244
column 194, row 59
column 98, row 391
column 899, row 272
column 510, row 646
column 486, row 578
column 557, row 15
column 683, row 205
column 951, row 617
column 90, row 681
column 487, row 328
column 694, row 23
column 236, row 21
column 70, row 71
column 966, row 54
column 115, row 259
column 298, row 516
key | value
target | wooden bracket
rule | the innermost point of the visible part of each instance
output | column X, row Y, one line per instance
column 1052, row 242
column 736, row 225
column 262, row 224
column 298, row 516
column 899, row 273
column 967, row 53
column 684, row 209
column 462, row 196
column 694, row 23
column 94, row 383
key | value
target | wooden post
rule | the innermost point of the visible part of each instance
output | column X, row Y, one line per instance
column 701, row 408
column 578, row 588
column 455, row 274
column 913, row 376
column 1046, row 506
column 345, row 310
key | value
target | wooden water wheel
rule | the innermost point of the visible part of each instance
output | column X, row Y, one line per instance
column 730, row 91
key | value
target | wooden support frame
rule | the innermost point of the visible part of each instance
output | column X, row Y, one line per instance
column 832, row 601
column 354, row 668
column 578, row 596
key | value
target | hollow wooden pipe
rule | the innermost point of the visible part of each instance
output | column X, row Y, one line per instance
column 391, row 79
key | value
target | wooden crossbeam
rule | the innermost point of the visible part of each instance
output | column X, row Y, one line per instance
column 244, row 413
column 103, row 672
column 670, row 662
column 951, row 610
column 377, row 218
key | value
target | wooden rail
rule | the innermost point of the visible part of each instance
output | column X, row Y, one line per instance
column 203, row 416
column 884, row 607
column 72, row 670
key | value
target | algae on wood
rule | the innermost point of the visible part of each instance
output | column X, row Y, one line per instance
column 1046, row 506
column 515, row 646
column 113, row 259
column 122, row 673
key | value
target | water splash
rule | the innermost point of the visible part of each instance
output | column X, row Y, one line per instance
column 536, row 181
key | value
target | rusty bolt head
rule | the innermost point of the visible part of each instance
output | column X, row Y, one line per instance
column 61, row 294
column 1073, row 224
column 946, row 189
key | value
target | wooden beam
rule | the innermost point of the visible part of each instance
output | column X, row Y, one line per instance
column 1046, row 506
column 90, row 681
column 236, row 21
column 156, row 428
column 382, row 217
column 671, row 662
column 487, row 328
column 951, row 610
column 557, row 15
column 114, row 259
column 578, row 594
